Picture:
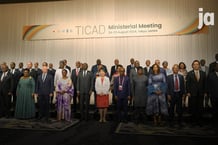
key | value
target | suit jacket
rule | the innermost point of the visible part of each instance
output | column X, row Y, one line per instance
column 51, row 72
column 212, row 67
column 125, row 92
column 113, row 71
column 133, row 73
column 170, row 84
column 193, row 86
column 38, row 72
column 146, row 71
column 206, row 70
column 94, row 69
column 128, row 69
column 68, row 67
column 84, row 83
column 46, row 87
column 33, row 74
column 16, row 76
column 74, row 78
column 213, row 84
column 6, row 85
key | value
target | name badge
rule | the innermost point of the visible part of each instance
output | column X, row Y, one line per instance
column 120, row 87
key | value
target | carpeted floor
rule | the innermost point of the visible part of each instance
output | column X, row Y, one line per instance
column 52, row 125
column 186, row 130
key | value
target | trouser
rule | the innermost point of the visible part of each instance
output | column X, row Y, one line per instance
column 84, row 106
column 196, row 107
column 44, row 106
column 75, row 100
column 176, row 103
column 5, row 104
column 214, row 103
column 122, row 108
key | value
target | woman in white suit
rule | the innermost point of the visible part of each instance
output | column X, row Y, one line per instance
column 102, row 87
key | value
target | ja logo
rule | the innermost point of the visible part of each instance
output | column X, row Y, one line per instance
column 207, row 18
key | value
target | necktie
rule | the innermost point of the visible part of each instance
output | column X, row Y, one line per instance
column 77, row 72
column 176, row 83
column 43, row 77
column 197, row 75
column 84, row 73
column 3, row 75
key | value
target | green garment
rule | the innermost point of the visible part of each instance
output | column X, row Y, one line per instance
column 25, row 105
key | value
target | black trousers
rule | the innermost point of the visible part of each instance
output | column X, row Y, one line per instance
column 5, row 104
column 44, row 106
column 122, row 108
column 196, row 107
column 84, row 106
column 214, row 103
column 176, row 103
column 75, row 100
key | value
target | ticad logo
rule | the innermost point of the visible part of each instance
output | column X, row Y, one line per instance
column 207, row 18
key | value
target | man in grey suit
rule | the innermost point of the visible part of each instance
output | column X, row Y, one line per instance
column 133, row 73
column 84, row 90
column 74, row 75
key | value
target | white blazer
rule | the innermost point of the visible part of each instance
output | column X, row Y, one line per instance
column 102, row 87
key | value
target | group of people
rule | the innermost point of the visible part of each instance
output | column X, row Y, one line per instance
column 152, row 90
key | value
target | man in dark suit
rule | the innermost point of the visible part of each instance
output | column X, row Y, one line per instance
column 16, row 74
column 6, row 89
column 213, row 91
column 84, row 90
column 32, row 71
column 122, row 94
column 114, row 68
column 176, row 93
column 196, row 90
column 129, row 67
column 44, row 90
column 147, row 68
column 95, row 67
column 37, row 69
column 213, row 64
column 66, row 66
column 133, row 73
column 20, row 68
column 51, row 70
column 74, row 75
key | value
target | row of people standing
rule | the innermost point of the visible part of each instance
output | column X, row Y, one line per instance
column 91, row 85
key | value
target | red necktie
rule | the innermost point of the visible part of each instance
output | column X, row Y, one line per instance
column 176, row 83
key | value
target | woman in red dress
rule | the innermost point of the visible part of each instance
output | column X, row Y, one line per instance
column 102, row 87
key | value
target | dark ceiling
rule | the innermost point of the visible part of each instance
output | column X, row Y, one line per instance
column 25, row 1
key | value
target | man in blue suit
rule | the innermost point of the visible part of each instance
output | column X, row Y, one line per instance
column 176, row 93
column 130, row 66
column 44, row 90
column 122, row 94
